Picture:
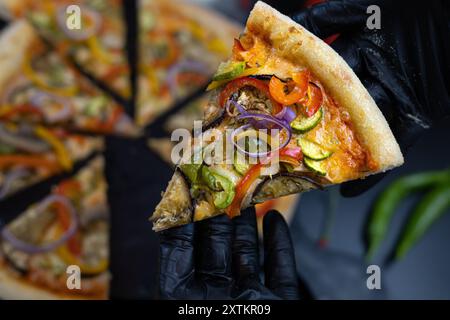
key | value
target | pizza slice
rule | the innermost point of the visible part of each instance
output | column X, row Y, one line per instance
column 178, row 51
column 98, row 45
column 30, row 154
column 182, row 119
column 296, row 117
column 67, row 228
column 37, row 86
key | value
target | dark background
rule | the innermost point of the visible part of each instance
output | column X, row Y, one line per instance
column 136, row 177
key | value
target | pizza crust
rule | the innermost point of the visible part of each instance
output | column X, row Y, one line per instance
column 296, row 44
column 15, row 41
column 12, row 8
column 12, row 288
column 224, row 28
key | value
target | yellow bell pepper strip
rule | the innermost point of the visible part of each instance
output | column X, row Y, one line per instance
column 62, row 154
column 69, row 258
column 218, row 46
column 151, row 78
column 98, row 52
column 197, row 31
column 37, row 80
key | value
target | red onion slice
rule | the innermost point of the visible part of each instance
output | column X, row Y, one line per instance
column 40, row 100
column 238, row 107
column 185, row 65
column 280, row 124
column 286, row 114
column 83, row 33
column 9, row 179
column 32, row 248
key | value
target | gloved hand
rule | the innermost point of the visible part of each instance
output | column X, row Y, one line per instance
column 219, row 259
column 405, row 65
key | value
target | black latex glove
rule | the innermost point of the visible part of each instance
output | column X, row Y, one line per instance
column 405, row 65
column 219, row 259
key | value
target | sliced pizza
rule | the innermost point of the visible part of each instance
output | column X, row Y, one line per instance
column 183, row 119
column 30, row 154
column 92, row 32
column 178, row 52
column 48, row 242
column 37, row 86
column 296, row 117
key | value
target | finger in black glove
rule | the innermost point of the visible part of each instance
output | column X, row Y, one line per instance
column 219, row 259
column 405, row 65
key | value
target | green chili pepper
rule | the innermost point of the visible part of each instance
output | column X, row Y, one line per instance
column 223, row 188
column 432, row 206
column 389, row 199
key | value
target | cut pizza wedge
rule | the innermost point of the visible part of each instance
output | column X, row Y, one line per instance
column 37, row 86
column 97, row 44
column 183, row 119
column 178, row 51
column 67, row 228
column 30, row 154
column 324, row 126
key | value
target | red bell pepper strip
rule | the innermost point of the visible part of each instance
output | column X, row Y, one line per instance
column 315, row 99
column 33, row 161
column 291, row 155
column 241, row 189
column 239, row 83
column 292, row 91
column 21, row 109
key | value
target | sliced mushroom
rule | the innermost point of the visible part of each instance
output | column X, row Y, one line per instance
column 284, row 184
column 212, row 114
column 175, row 207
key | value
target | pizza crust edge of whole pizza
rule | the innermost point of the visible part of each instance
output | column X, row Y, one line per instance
column 16, row 40
column 15, row 287
column 13, row 10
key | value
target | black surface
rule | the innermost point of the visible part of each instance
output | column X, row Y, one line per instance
column 339, row 271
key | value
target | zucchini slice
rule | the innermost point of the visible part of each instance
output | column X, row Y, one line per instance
column 229, row 70
column 313, row 150
column 315, row 166
column 304, row 124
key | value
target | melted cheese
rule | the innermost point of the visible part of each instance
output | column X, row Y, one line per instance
column 335, row 132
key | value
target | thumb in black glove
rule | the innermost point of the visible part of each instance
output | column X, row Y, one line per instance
column 219, row 259
column 405, row 65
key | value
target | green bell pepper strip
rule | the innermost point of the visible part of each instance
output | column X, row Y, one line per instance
column 191, row 171
column 431, row 207
column 390, row 198
column 223, row 188
column 6, row 149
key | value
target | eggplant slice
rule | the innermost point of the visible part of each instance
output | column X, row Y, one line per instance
column 284, row 184
column 175, row 207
